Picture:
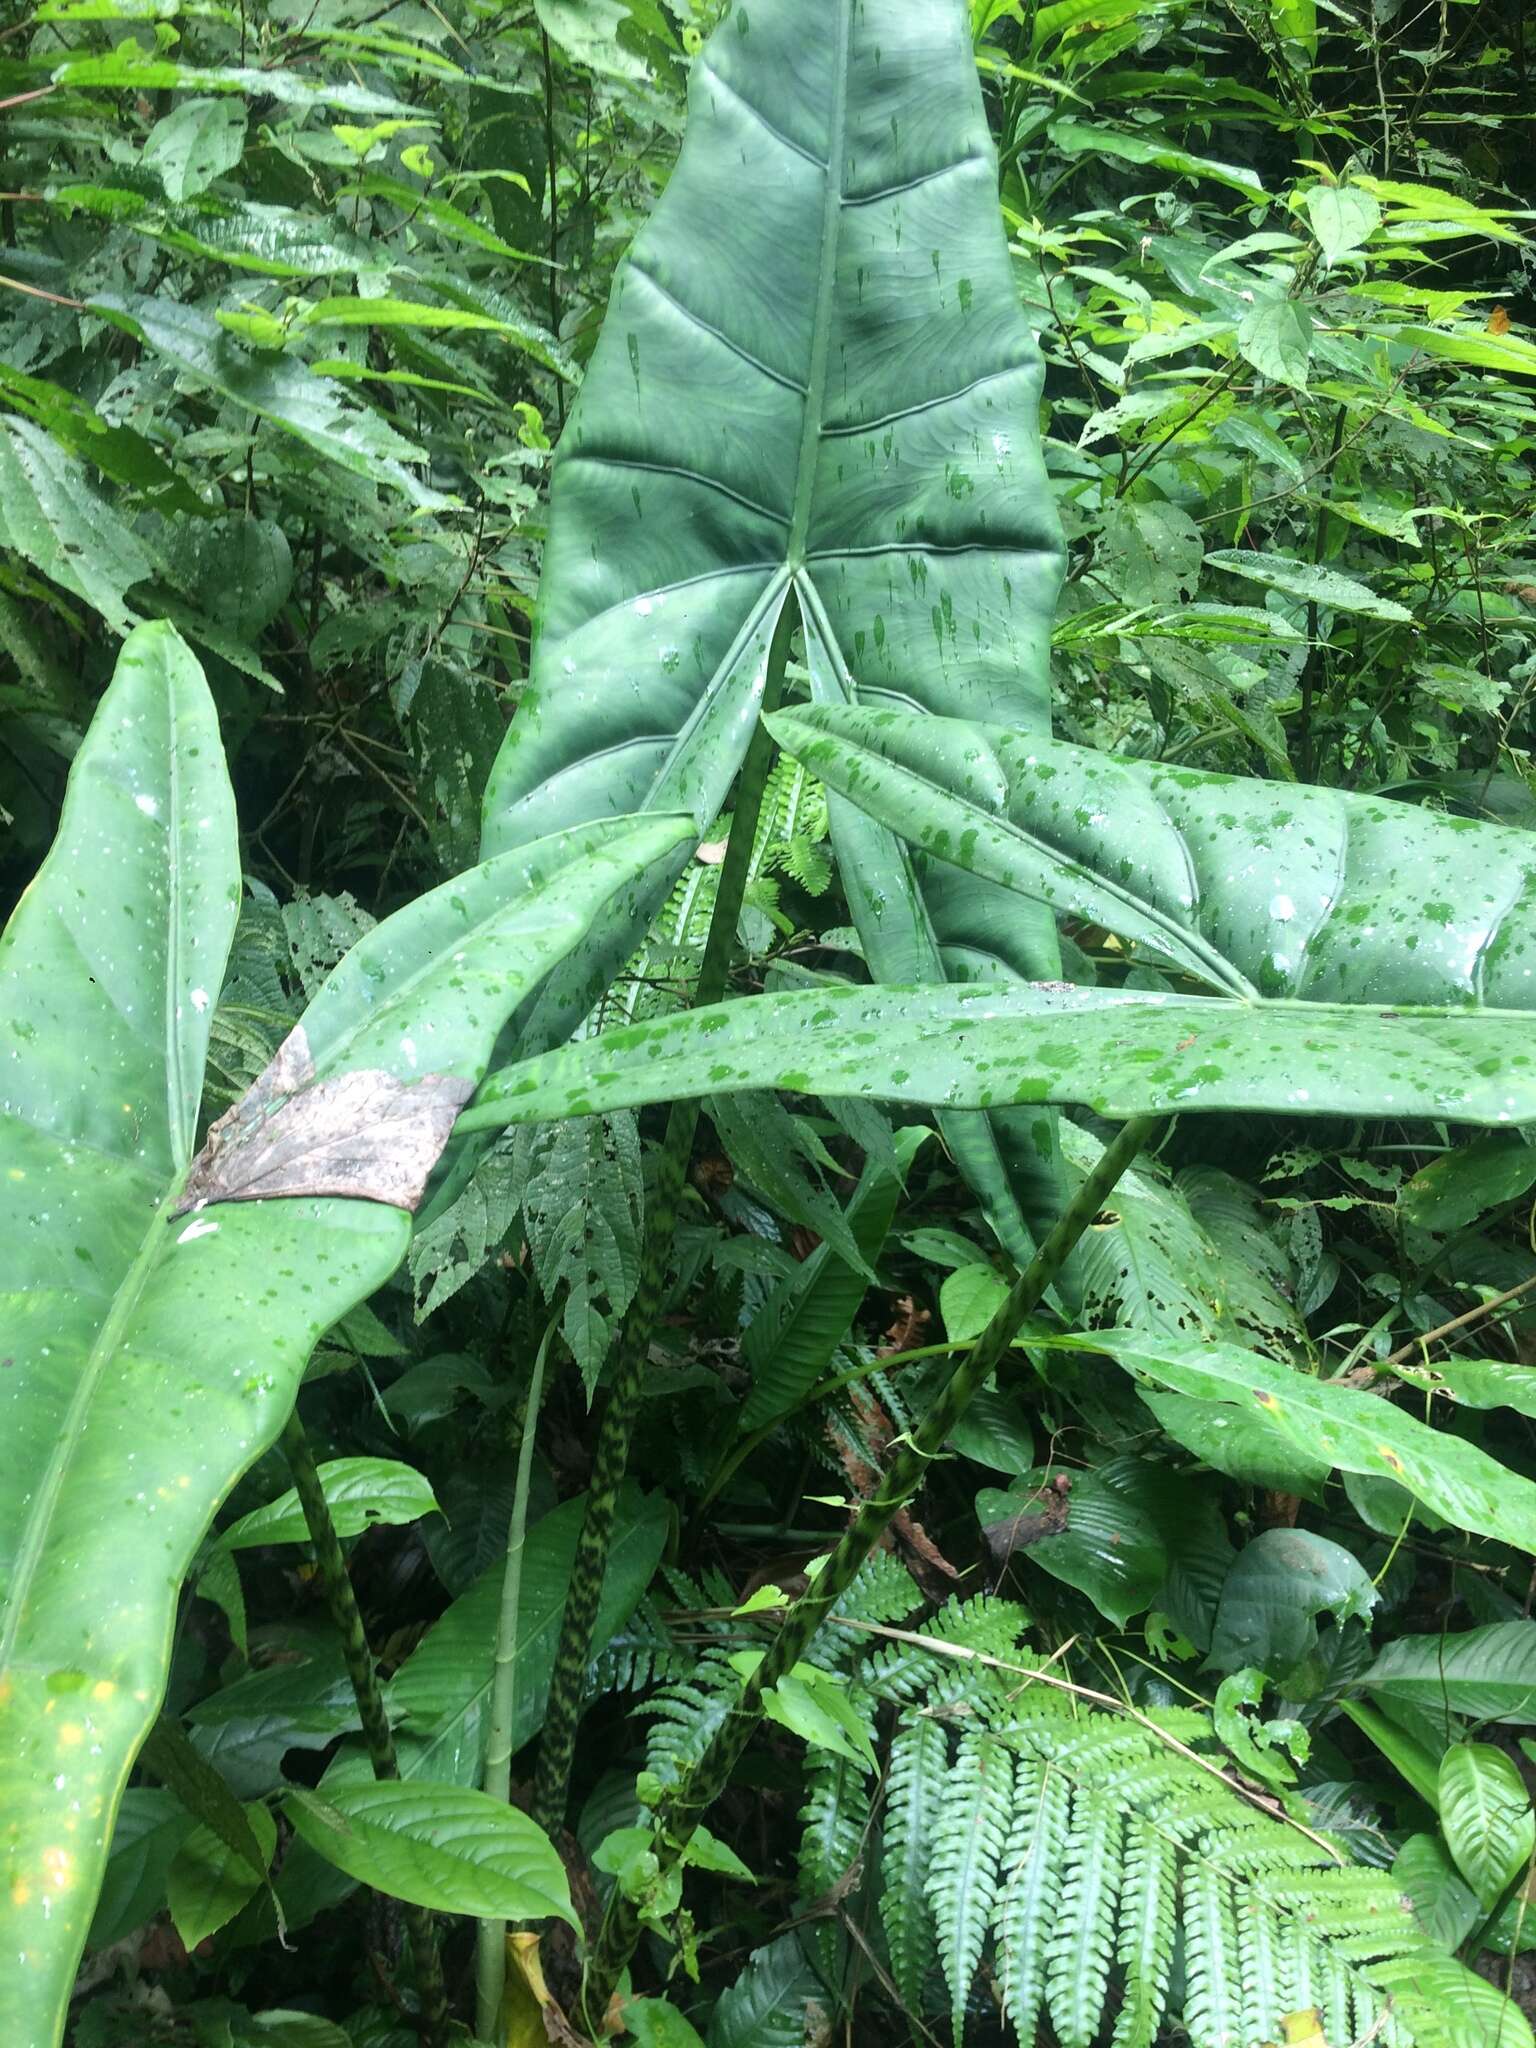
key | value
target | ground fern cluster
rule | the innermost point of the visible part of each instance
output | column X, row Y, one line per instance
column 1078, row 1870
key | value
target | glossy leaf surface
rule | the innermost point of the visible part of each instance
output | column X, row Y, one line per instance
column 1256, row 888
column 1488, row 1674
column 359, row 1493
column 1485, row 1816
column 446, row 1847
column 860, row 330
column 1123, row 1053
column 108, row 975
column 1323, row 1425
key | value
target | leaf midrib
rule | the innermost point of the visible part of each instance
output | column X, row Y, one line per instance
column 40, row 1516
column 826, row 283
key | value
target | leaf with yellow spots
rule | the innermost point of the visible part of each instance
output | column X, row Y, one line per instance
column 150, row 1356
column 1238, row 1409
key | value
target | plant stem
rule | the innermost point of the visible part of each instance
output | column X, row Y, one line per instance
column 680, row 1812
column 491, row 1935
column 342, row 1601
column 611, row 1456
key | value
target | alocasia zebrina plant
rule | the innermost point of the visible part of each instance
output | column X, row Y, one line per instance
column 152, row 1350
column 814, row 401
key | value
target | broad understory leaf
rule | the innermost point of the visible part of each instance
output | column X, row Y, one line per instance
column 446, row 1847
column 1259, row 889
column 1307, row 1428
column 108, row 974
column 860, row 330
column 359, row 1492
column 1485, row 1816
column 440, row 1697
column 1121, row 1052
column 1486, row 1674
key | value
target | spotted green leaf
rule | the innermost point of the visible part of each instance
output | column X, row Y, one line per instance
column 109, row 971
column 881, row 480
column 1120, row 1052
column 1255, row 888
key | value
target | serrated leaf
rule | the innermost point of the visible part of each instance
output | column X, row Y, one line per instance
column 52, row 517
column 1275, row 335
column 1315, row 582
column 1343, row 217
column 281, row 389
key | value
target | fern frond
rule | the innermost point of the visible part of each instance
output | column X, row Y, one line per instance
column 971, row 1835
column 900, row 1671
column 918, row 1761
column 1118, row 1871
column 1032, row 1890
column 1145, row 1944
column 835, row 1820
column 686, row 1713
column 1213, row 2001
column 1082, row 1945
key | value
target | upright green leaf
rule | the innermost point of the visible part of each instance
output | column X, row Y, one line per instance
column 194, row 144
column 153, row 1354
column 859, row 327
column 1485, row 1814
column 52, row 517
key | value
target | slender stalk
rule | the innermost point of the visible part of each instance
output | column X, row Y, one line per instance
column 345, row 1613
column 611, row 1457
column 681, row 1811
column 491, row 1935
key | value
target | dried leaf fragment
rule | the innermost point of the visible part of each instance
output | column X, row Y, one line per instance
column 368, row 1135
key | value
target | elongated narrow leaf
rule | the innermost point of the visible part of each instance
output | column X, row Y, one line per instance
column 1351, row 1430
column 790, row 1341
column 1258, row 888
column 1123, row 1053
column 442, row 1846
column 1488, row 1674
column 859, row 326
column 152, row 1355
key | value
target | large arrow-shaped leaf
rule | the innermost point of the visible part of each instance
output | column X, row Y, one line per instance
column 150, row 1353
column 1255, row 888
column 814, row 383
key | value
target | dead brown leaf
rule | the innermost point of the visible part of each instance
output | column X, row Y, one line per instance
column 365, row 1135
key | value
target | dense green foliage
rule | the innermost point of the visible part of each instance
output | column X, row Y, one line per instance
column 1187, row 1696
